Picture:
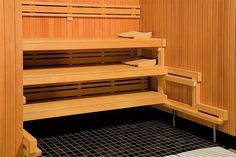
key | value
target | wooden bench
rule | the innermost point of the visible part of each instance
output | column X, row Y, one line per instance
column 90, row 73
column 90, row 44
column 36, row 79
column 93, row 104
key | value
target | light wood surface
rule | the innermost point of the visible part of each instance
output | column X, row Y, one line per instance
column 88, row 105
column 76, row 58
column 200, row 37
column 140, row 62
column 180, row 80
column 191, row 45
column 11, row 97
column 30, row 145
column 90, row 44
column 135, row 35
column 52, row 92
column 186, row 109
column 53, row 9
column 196, row 109
column 63, row 75
column 48, row 27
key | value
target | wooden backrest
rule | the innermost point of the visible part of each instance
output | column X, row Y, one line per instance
column 44, row 93
column 72, row 58
column 53, row 9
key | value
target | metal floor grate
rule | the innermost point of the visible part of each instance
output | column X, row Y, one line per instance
column 146, row 138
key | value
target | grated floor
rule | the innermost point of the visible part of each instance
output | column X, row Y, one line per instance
column 136, row 139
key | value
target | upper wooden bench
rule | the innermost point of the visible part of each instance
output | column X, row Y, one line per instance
column 62, row 75
column 90, row 44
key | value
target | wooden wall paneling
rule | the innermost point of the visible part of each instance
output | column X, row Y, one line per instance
column 220, row 60
column 201, row 37
column 215, row 38
column 75, row 10
column 2, row 83
column 19, row 77
column 232, row 61
column 234, row 47
column 48, row 27
column 226, row 76
column 232, row 30
column 11, row 94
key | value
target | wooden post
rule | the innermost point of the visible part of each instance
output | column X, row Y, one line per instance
column 196, row 92
column 161, row 56
column 161, row 62
column 11, row 90
column 161, row 84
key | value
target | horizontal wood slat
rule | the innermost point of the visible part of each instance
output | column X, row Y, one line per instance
column 68, row 58
column 84, row 89
column 90, row 44
column 180, row 80
column 89, row 105
column 50, row 9
column 184, row 108
column 78, row 5
column 90, row 73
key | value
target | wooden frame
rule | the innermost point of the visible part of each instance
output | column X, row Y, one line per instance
column 34, row 77
column 30, row 148
column 196, row 109
column 11, row 86
column 71, row 10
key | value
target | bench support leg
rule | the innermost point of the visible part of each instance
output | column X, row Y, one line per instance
column 214, row 133
column 174, row 118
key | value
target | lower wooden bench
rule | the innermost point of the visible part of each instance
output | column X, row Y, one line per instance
column 88, row 105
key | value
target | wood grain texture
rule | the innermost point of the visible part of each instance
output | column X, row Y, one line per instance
column 89, row 73
column 30, row 145
column 11, row 93
column 48, row 27
column 44, row 93
column 91, row 44
column 91, row 104
column 69, row 10
column 200, row 37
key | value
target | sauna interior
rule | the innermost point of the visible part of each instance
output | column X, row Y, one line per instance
column 72, row 58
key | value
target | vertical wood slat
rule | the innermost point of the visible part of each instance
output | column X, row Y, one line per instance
column 201, row 37
column 10, row 79
column 2, row 85
column 232, row 48
column 19, row 79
